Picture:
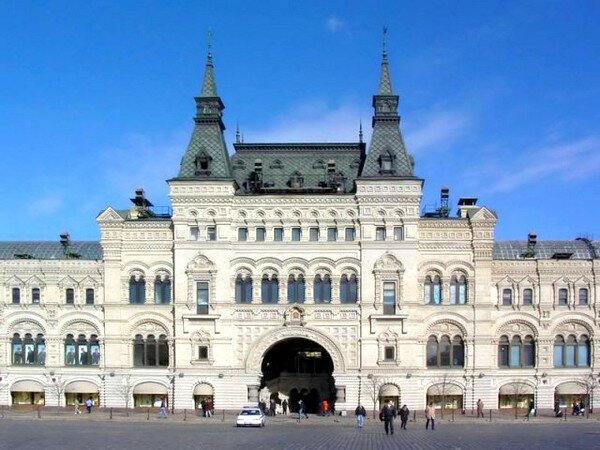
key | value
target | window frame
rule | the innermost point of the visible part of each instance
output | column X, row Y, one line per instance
column 261, row 234
column 332, row 234
column 242, row 234
column 211, row 233
column 90, row 299
column 389, row 307
column 398, row 233
column 278, row 234
column 380, row 234
column 202, row 302
column 350, row 232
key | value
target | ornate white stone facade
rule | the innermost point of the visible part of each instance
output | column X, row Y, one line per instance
column 369, row 345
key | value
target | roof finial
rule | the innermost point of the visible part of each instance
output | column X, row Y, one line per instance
column 210, row 36
column 384, row 39
column 360, row 132
column 237, row 133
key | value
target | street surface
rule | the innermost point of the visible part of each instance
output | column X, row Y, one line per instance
column 21, row 434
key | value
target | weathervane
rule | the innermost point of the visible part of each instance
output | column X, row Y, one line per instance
column 384, row 39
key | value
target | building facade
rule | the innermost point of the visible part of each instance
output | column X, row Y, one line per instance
column 299, row 271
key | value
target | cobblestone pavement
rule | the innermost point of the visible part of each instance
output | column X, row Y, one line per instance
column 310, row 434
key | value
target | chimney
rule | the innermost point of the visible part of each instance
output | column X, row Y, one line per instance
column 467, row 205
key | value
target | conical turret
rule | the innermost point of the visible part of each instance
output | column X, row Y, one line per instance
column 386, row 156
column 206, row 156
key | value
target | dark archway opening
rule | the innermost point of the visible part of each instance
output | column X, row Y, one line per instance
column 299, row 369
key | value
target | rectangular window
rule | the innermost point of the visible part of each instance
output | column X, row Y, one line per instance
column 389, row 298
column 380, row 233
column 583, row 296
column 296, row 234
column 507, row 297
column 398, row 233
column 69, row 296
column 558, row 355
column 242, row 234
column 89, row 296
column 202, row 297
column 211, row 233
column 563, row 296
column 349, row 234
column 313, row 234
column 194, row 233
column 203, row 352
column 528, row 297
column 278, row 234
column 16, row 295
column 35, row 296
column 260, row 234
column 332, row 234
column 389, row 353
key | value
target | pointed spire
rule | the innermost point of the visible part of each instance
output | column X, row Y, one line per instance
column 209, row 85
column 237, row 133
column 385, row 83
column 360, row 132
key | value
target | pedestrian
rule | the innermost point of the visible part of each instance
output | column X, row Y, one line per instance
column 163, row 408
column 404, row 413
column 479, row 408
column 272, row 406
column 430, row 416
column 88, row 404
column 387, row 415
column 284, row 406
column 209, row 407
column 360, row 414
column 76, row 405
column 301, row 411
column 325, row 408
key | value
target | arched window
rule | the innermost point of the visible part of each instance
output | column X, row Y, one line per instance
column 296, row 289
column 574, row 352
column 458, row 290
column 503, row 347
column 527, row 297
column 445, row 352
column 150, row 352
column 517, row 353
column 28, row 350
column 243, row 289
column 137, row 290
column 348, row 289
column 322, row 289
column 162, row 290
column 507, row 297
column 269, row 289
column 82, row 351
column 583, row 296
column 433, row 290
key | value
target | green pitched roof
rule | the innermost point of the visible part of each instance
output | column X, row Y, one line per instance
column 85, row 250
column 320, row 167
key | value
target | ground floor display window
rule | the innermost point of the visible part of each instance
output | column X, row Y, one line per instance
column 148, row 400
column 569, row 400
column 198, row 399
column 508, row 401
column 446, row 401
column 28, row 398
column 81, row 398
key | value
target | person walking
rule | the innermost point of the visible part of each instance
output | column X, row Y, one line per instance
column 387, row 415
column 404, row 413
column 479, row 408
column 284, row 407
column 301, row 411
column 163, row 408
column 360, row 412
column 430, row 416
column 88, row 404
column 76, row 405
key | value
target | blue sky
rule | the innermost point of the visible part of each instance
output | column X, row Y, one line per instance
column 499, row 100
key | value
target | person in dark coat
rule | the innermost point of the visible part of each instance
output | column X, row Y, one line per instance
column 284, row 406
column 404, row 413
column 387, row 415
column 360, row 412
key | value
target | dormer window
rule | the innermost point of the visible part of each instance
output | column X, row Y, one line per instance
column 386, row 164
column 296, row 180
column 202, row 163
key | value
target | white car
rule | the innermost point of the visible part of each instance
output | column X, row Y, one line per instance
column 250, row 416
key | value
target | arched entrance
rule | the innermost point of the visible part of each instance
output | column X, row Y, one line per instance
column 298, row 369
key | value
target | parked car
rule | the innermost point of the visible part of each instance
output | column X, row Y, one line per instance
column 250, row 416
